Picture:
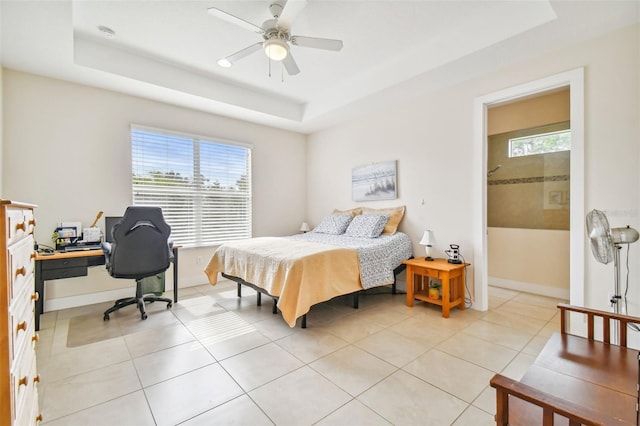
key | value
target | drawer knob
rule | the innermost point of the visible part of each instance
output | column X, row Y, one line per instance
column 21, row 271
column 32, row 255
column 35, row 338
column 36, row 379
column 22, row 326
column 38, row 418
column 23, row 381
column 35, row 296
column 32, row 222
column 21, row 227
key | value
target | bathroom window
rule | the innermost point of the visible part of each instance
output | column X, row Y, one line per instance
column 542, row 143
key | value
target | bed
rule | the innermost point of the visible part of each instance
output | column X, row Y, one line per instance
column 302, row 270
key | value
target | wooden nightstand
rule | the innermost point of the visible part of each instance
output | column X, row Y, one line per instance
column 452, row 276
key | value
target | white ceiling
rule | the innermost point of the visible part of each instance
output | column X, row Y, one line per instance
column 167, row 49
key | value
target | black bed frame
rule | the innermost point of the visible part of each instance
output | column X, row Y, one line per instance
column 260, row 291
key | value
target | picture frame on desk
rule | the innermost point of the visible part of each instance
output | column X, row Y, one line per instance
column 64, row 236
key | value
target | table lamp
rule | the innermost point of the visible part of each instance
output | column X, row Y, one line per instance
column 427, row 238
column 305, row 227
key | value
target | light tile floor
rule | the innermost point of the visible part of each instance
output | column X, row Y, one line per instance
column 217, row 359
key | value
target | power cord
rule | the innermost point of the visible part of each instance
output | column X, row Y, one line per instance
column 468, row 302
column 42, row 248
column 632, row 326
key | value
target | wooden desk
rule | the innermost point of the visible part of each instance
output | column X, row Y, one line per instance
column 452, row 276
column 61, row 265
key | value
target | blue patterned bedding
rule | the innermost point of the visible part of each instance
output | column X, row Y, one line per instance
column 378, row 256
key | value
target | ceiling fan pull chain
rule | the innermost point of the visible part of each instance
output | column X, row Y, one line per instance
column 269, row 67
column 282, row 73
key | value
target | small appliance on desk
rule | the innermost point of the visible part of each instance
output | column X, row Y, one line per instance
column 67, row 236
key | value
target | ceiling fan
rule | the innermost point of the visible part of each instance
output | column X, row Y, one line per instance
column 276, row 35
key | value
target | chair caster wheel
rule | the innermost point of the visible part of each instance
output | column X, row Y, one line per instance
column 143, row 316
column 169, row 305
column 105, row 318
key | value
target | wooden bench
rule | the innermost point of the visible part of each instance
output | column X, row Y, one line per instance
column 576, row 380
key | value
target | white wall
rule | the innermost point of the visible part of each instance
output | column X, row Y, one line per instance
column 1, row 125
column 531, row 260
column 432, row 136
column 67, row 149
column 1, row 109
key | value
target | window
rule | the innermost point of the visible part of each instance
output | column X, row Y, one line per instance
column 203, row 187
column 541, row 143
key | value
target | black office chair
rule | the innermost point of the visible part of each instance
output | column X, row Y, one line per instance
column 140, row 249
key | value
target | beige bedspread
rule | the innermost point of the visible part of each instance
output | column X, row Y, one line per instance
column 299, row 273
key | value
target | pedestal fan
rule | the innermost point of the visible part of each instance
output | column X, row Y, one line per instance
column 606, row 243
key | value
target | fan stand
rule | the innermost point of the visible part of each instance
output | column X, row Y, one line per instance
column 616, row 298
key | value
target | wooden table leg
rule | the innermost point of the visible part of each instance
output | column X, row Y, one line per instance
column 461, row 292
column 446, row 296
column 409, row 286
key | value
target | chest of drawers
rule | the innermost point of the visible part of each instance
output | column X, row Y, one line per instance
column 18, row 373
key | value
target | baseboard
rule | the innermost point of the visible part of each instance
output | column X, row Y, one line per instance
column 87, row 299
column 540, row 289
column 100, row 297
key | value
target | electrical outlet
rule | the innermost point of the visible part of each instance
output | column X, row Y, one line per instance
column 613, row 300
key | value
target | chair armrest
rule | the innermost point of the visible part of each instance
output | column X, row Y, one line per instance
column 106, row 247
column 171, row 256
column 551, row 405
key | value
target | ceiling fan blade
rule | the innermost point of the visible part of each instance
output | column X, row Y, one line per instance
column 242, row 53
column 317, row 43
column 289, row 13
column 290, row 65
column 221, row 14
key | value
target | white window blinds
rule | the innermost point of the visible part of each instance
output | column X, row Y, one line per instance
column 202, row 186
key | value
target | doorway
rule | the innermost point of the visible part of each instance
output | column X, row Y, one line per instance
column 574, row 80
column 528, row 193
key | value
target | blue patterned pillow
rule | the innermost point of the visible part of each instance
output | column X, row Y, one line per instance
column 334, row 224
column 367, row 225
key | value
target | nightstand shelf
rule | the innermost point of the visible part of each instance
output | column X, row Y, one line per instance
column 424, row 296
column 451, row 275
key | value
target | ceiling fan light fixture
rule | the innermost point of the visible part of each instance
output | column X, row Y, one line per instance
column 224, row 63
column 107, row 32
column 276, row 49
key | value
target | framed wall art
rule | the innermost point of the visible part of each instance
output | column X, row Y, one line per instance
column 376, row 181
